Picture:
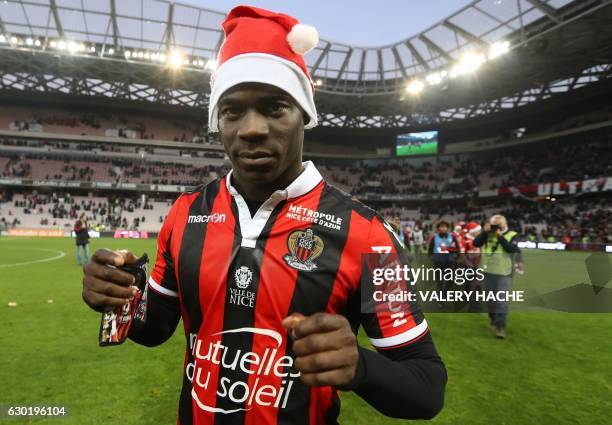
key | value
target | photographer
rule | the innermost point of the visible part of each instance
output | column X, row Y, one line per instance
column 499, row 251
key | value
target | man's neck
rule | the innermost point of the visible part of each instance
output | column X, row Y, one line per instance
column 261, row 193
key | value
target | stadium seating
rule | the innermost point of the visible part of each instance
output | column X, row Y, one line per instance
column 90, row 124
column 103, row 213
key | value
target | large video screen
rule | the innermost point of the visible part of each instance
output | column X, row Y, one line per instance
column 411, row 144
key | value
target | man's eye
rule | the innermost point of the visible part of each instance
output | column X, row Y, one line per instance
column 230, row 111
column 276, row 108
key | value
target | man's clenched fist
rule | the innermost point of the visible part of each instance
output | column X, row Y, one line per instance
column 325, row 348
column 103, row 284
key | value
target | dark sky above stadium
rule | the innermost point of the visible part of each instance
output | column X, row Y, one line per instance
column 356, row 22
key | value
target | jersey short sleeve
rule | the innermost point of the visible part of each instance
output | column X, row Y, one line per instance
column 390, row 324
column 163, row 277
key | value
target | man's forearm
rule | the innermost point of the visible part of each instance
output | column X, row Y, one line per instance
column 508, row 246
column 412, row 388
column 161, row 318
column 481, row 238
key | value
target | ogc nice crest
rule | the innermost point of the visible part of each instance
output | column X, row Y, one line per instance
column 304, row 247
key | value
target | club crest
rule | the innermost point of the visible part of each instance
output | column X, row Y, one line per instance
column 304, row 247
column 243, row 277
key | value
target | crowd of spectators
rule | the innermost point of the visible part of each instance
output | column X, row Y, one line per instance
column 113, row 125
column 576, row 220
column 14, row 167
column 104, row 213
column 429, row 179
column 467, row 175
column 582, row 219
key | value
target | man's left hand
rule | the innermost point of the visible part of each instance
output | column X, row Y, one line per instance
column 325, row 348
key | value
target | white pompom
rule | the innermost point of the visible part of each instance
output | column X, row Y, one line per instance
column 303, row 38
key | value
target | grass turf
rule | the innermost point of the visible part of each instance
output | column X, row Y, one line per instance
column 428, row 148
column 553, row 368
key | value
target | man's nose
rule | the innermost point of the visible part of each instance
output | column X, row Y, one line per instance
column 253, row 127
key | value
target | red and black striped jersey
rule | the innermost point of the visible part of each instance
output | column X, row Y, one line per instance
column 236, row 276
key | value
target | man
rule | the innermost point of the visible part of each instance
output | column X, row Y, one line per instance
column 472, row 258
column 443, row 247
column 472, row 252
column 81, row 232
column 459, row 232
column 498, row 257
column 406, row 238
column 264, row 264
column 417, row 238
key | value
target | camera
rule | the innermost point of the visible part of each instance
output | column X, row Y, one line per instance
column 495, row 227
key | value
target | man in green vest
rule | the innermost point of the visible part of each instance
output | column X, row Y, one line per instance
column 499, row 251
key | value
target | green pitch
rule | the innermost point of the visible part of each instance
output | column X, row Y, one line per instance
column 429, row 148
column 553, row 368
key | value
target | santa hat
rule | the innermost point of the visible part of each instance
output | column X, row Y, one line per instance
column 472, row 228
column 264, row 47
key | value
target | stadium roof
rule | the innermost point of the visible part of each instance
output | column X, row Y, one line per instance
column 130, row 35
column 158, row 25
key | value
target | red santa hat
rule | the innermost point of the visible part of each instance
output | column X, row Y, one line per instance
column 264, row 47
column 472, row 228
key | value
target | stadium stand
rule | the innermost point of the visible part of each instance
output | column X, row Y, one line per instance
column 60, row 210
column 462, row 176
column 447, row 174
column 127, row 126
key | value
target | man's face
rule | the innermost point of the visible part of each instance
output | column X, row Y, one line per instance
column 262, row 130
column 443, row 228
column 499, row 221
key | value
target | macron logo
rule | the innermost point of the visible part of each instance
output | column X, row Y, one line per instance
column 212, row 218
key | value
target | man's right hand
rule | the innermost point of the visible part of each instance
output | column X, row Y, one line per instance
column 104, row 285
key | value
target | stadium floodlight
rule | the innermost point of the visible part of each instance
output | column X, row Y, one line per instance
column 92, row 49
column 127, row 54
column 211, row 64
column 61, row 45
column 140, row 55
column 175, row 60
column 14, row 40
column 29, row 41
column 37, row 43
column 147, row 55
column 201, row 62
column 53, row 44
column 434, row 78
column 498, row 48
column 72, row 47
column 111, row 51
column 469, row 62
column 162, row 57
column 319, row 82
column 415, row 87
column 82, row 47
column 2, row 38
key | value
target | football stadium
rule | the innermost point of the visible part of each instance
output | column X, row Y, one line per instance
column 480, row 142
